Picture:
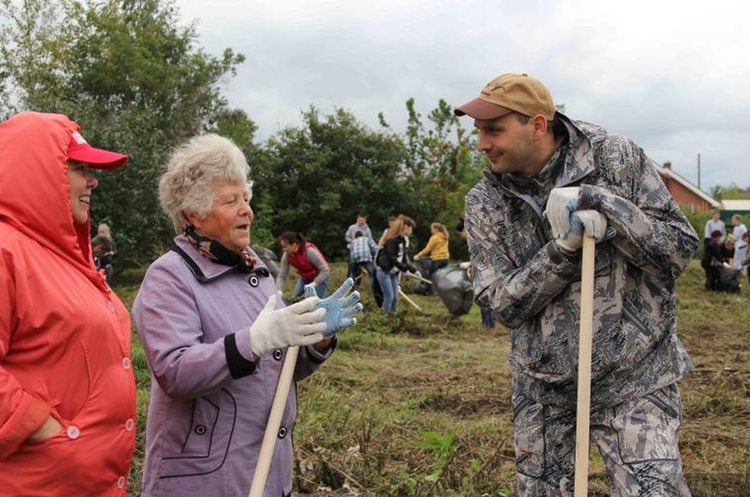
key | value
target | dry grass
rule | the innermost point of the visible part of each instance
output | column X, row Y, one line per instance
column 418, row 405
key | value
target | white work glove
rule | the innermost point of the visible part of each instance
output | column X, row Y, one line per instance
column 584, row 223
column 418, row 274
column 465, row 265
column 297, row 324
column 416, row 257
column 562, row 203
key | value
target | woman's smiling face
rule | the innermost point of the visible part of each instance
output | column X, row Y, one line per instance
column 81, row 183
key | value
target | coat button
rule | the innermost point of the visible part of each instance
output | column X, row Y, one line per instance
column 278, row 354
column 73, row 432
column 121, row 482
column 282, row 432
column 200, row 429
column 254, row 281
column 129, row 425
column 126, row 363
column 111, row 306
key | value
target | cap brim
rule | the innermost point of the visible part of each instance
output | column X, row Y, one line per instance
column 481, row 109
column 97, row 158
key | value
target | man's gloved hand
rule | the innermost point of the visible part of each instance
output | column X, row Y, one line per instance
column 339, row 307
column 418, row 274
column 416, row 257
column 562, row 203
column 584, row 223
column 298, row 324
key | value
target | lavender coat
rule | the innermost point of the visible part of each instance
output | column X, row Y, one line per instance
column 209, row 400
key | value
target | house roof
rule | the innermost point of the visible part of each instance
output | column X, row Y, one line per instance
column 669, row 173
column 735, row 205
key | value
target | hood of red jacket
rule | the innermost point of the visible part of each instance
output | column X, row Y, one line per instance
column 34, row 188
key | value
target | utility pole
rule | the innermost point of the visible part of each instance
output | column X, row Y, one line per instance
column 699, row 170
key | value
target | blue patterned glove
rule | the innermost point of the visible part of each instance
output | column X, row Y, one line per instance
column 339, row 307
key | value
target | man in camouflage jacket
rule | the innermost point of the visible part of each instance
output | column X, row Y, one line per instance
column 528, row 273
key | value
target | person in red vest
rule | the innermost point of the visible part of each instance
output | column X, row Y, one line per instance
column 309, row 262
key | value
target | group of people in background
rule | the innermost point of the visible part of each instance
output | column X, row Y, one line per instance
column 725, row 256
column 387, row 259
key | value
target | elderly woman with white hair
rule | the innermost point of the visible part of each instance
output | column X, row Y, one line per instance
column 216, row 335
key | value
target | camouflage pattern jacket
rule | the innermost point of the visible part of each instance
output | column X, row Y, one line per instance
column 534, row 289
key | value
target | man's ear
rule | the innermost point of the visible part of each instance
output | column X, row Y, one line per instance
column 541, row 126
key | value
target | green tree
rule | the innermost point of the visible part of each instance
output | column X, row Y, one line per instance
column 442, row 165
column 733, row 191
column 133, row 78
column 315, row 179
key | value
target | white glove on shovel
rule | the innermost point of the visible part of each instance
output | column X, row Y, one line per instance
column 585, row 222
column 561, row 205
column 294, row 325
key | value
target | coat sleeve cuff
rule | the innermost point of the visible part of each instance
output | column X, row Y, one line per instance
column 30, row 415
column 318, row 357
column 560, row 256
column 239, row 354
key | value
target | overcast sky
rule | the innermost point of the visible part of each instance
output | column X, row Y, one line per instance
column 673, row 76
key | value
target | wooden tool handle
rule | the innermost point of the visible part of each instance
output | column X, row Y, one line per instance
column 583, row 407
column 274, row 422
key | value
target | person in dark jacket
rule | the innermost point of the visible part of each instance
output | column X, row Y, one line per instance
column 713, row 257
column 392, row 259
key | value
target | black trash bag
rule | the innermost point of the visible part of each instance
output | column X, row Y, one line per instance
column 423, row 266
column 454, row 288
column 729, row 280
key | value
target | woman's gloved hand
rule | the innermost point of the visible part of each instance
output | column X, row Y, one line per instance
column 339, row 307
column 298, row 324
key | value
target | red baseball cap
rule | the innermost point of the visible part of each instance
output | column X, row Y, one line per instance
column 96, row 158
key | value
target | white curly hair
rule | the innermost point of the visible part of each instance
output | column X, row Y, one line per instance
column 193, row 170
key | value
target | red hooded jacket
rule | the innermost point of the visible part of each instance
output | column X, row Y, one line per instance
column 64, row 336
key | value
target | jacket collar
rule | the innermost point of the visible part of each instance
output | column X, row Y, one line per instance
column 205, row 270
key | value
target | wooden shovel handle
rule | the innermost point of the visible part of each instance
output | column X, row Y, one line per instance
column 583, row 407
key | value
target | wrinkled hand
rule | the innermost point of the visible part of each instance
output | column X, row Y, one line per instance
column 339, row 307
column 561, row 205
column 298, row 324
column 584, row 223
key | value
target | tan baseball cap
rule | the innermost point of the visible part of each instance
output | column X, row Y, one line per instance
column 510, row 93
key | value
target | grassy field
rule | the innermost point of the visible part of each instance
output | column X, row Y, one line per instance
column 418, row 404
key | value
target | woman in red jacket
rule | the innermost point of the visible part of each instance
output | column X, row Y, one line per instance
column 309, row 262
column 67, row 393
